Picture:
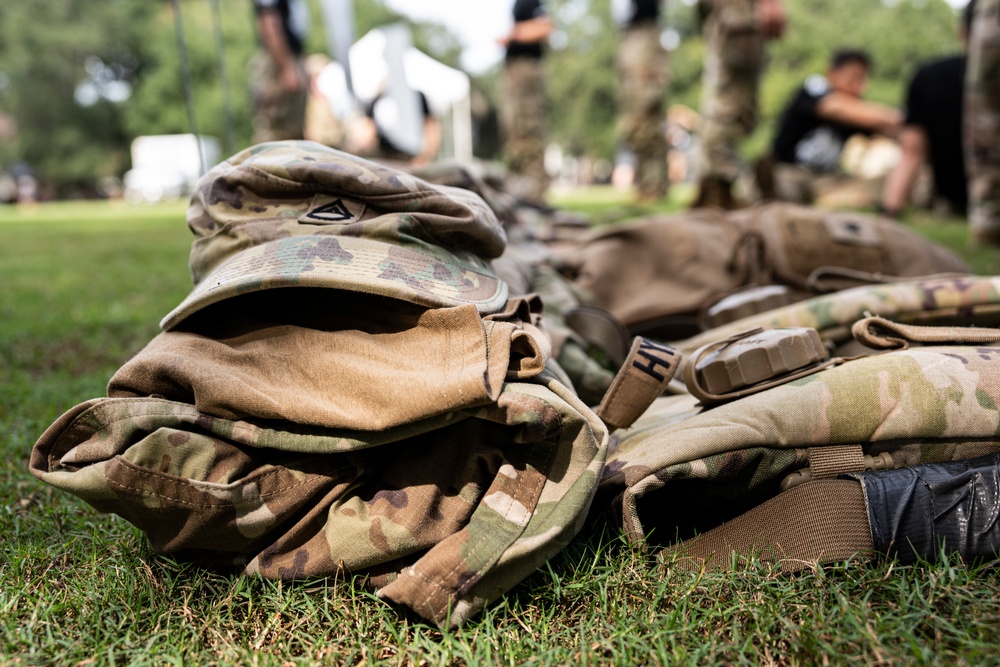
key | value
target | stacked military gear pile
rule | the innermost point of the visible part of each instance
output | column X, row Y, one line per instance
column 350, row 388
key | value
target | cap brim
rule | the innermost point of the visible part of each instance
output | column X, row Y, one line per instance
column 428, row 276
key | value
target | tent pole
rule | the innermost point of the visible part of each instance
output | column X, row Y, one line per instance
column 220, row 54
column 186, row 81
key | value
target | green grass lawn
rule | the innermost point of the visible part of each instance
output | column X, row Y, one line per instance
column 83, row 286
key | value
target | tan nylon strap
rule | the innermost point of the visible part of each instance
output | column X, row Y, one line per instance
column 828, row 462
column 815, row 280
column 647, row 371
column 820, row 521
column 874, row 331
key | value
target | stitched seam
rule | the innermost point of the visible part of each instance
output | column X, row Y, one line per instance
column 221, row 503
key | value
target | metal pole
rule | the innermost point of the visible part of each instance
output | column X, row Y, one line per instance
column 220, row 53
column 186, row 81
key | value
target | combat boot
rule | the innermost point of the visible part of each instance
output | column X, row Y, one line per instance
column 715, row 192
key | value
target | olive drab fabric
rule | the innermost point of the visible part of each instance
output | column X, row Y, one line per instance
column 348, row 390
column 659, row 274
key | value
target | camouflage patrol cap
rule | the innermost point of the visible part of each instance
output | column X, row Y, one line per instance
column 299, row 214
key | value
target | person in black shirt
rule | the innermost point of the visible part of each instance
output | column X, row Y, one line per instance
column 524, row 109
column 824, row 113
column 933, row 129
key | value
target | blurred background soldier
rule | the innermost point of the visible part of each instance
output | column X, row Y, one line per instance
column 278, row 79
column 982, row 122
column 932, row 130
column 816, row 124
column 642, row 81
column 524, row 106
column 735, row 32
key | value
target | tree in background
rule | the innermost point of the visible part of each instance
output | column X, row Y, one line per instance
column 83, row 79
column 67, row 66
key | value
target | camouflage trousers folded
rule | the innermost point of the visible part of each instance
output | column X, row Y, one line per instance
column 433, row 451
column 441, row 515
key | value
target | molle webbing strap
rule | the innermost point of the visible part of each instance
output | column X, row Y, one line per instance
column 822, row 521
column 828, row 462
column 647, row 371
column 882, row 334
column 815, row 280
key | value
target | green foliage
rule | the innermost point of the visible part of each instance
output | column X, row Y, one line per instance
column 158, row 104
column 45, row 45
column 44, row 50
column 899, row 35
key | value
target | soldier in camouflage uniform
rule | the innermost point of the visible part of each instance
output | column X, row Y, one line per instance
column 278, row 80
column 982, row 119
column 642, row 81
column 735, row 32
column 524, row 105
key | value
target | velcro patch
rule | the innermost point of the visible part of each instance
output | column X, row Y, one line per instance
column 852, row 230
column 330, row 210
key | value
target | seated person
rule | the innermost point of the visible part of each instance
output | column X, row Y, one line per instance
column 933, row 129
column 824, row 113
column 384, row 115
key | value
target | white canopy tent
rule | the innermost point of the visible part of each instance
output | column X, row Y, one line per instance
column 447, row 89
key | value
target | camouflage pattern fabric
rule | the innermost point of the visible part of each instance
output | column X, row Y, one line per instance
column 347, row 390
column 733, row 60
column 643, row 73
column 523, row 115
column 408, row 506
column 299, row 214
column 525, row 266
column 982, row 122
column 464, row 176
column 960, row 300
column 922, row 405
column 277, row 114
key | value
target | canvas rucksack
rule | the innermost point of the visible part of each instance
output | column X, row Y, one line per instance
column 892, row 453
column 661, row 275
